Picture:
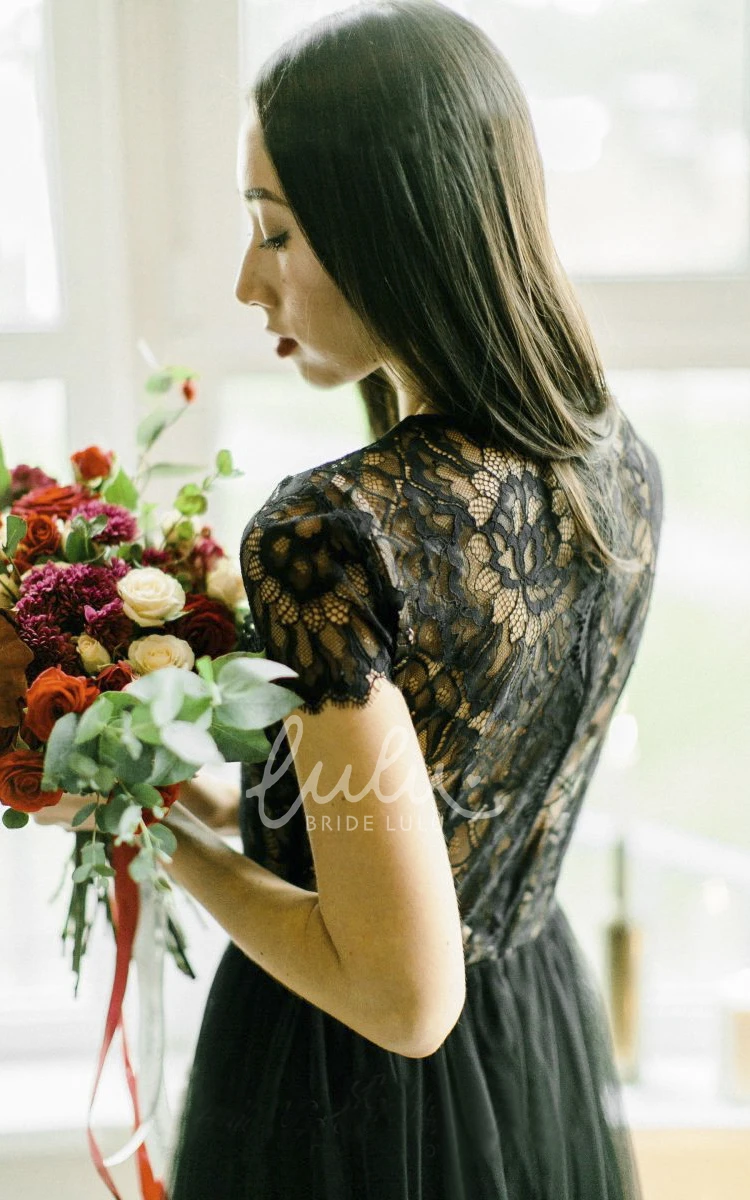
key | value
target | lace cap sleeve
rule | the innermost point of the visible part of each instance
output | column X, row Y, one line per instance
column 319, row 596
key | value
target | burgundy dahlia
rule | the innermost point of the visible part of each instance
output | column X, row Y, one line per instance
column 24, row 478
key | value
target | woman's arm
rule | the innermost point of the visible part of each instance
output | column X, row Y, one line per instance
column 214, row 801
column 279, row 926
column 378, row 946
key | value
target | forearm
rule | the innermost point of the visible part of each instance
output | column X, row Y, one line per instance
column 213, row 801
column 279, row 926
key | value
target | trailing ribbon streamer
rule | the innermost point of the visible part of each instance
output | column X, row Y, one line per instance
column 125, row 920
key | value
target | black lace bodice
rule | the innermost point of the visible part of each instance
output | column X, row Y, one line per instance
column 452, row 568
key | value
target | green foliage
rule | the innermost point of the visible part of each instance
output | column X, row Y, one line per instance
column 167, row 469
column 5, row 480
column 153, row 425
column 15, row 820
column 191, row 501
column 122, row 491
column 15, row 526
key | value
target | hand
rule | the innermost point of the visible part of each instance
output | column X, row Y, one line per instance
column 63, row 812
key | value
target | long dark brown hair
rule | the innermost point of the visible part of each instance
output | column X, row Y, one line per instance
column 406, row 151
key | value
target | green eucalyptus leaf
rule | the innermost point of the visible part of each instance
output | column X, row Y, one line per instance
column 97, row 525
column 169, row 768
column 171, row 692
column 144, row 728
column 191, row 501
column 129, row 821
column 83, row 813
column 224, row 464
column 164, row 838
column 256, row 668
column 94, row 720
column 141, row 868
column 159, row 383
column 77, row 547
column 191, row 744
column 59, row 748
column 130, row 741
column 152, row 426
column 93, row 851
column 205, row 669
column 81, row 873
column 5, row 480
column 197, row 710
column 82, row 764
column 119, row 701
column 12, row 819
column 15, row 527
column 110, row 814
column 122, row 491
column 240, row 745
column 149, row 687
column 166, row 470
column 257, row 707
column 146, row 795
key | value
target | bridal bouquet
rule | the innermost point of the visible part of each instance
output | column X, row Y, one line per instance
column 121, row 674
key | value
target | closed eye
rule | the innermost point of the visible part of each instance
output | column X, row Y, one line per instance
column 275, row 243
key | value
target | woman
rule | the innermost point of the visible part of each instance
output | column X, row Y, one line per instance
column 403, row 1011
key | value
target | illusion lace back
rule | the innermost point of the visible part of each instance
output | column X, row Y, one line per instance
column 451, row 568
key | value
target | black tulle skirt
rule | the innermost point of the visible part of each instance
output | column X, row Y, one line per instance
column 521, row 1102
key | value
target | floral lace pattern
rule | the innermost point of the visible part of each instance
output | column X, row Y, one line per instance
column 452, row 569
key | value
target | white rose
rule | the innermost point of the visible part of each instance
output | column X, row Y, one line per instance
column 224, row 583
column 150, row 596
column 159, row 650
column 92, row 654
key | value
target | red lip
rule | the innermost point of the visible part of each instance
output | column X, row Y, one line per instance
column 286, row 346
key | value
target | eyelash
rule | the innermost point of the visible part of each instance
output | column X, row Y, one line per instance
column 275, row 243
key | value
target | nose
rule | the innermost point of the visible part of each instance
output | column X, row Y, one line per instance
column 250, row 286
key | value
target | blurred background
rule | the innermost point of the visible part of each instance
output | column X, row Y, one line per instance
column 120, row 220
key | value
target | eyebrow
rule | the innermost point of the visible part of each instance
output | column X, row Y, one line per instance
column 264, row 194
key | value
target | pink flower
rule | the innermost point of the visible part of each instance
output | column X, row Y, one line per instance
column 24, row 478
column 59, row 602
column 121, row 525
column 51, row 647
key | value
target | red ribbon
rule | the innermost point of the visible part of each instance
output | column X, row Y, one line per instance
column 125, row 920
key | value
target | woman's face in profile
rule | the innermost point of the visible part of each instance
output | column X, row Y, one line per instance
column 280, row 273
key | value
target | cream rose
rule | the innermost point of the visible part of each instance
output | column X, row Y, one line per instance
column 92, row 654
column 160, row 650
column 150, row 596
column 225, row 583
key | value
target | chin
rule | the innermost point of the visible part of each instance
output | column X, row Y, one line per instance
column 328, row 375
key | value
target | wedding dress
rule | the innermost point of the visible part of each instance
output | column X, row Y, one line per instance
column 451, row 567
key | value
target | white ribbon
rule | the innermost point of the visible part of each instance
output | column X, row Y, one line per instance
column 148, row 957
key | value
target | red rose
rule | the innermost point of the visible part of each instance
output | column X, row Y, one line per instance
column 52, row 695
column 207, row 626
column 114, row 677
column 20, row 782
column 51, row 501
column 41, row 537
column 91, row 463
